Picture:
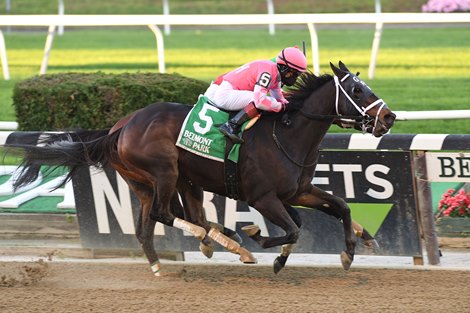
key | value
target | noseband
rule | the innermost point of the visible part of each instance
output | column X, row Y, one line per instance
column 366, row 118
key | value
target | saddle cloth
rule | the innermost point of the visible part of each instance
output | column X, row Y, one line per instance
column 199, row 133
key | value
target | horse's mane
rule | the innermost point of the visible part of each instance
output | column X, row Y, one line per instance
column 303, row 88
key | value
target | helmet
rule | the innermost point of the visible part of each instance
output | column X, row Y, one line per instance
column 293, row 58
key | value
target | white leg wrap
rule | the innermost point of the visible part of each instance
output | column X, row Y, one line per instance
column 197, row 231
column 156, row 267
column 232, row 246
column 224, row 241
column 286, row 250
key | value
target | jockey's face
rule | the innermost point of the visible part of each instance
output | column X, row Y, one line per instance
column 289, row 77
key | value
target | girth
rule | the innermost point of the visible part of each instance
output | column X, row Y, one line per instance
column 230, row 173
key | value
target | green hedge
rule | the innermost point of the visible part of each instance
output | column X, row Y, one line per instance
column 96, row 100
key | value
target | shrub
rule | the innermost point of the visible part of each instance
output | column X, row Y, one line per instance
column 446, row 6
column 95, row 100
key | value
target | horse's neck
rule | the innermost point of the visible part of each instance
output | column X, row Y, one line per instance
column 301, row 139
column 317, row 104
column 321, row 102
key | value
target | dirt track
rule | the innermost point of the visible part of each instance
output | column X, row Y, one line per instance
column 101, row 287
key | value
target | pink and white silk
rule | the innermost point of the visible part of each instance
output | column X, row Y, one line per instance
column 249, row 83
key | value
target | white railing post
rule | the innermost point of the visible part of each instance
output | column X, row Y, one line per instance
column 166, row 11
column 376, row 42
column 272, row 28
column 61, row 11
column 315, row 50
column 47, row 49
column 3, row 56
column 8, row 10
column 160, row 47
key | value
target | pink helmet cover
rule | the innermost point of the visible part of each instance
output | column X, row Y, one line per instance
column 293, row 58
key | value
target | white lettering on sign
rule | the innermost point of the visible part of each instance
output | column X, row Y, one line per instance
column 103, row 192
column 387, row 186
column 353, row 174
column 348, row 170
column 448, row 167
column 232, row 216
column 36, row 189
column 209, row 207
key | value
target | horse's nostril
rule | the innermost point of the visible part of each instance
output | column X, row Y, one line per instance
column 389, row 118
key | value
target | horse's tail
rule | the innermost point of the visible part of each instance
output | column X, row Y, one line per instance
column 74, row 150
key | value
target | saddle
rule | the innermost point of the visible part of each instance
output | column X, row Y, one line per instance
column 199, row 134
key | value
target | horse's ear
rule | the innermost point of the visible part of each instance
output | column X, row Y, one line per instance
column 343, row 67
column 337, row 71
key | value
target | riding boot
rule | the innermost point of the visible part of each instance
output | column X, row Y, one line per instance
column 232, row 127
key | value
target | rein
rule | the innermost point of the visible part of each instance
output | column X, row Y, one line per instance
column 279, row 145
column 326, row 117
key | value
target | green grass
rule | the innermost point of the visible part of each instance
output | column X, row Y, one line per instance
column 417, row 68
column 208, row 6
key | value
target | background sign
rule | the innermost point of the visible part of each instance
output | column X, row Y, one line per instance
column 448, row 167
column 378, row 186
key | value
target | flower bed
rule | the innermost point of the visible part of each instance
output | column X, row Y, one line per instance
column 446, row 6
column 453, row 215
column 454, row 204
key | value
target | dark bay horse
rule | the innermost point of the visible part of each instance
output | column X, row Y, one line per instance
column 276, row 165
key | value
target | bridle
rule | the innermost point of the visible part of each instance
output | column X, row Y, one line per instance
column 365, row 120
column 363, row 111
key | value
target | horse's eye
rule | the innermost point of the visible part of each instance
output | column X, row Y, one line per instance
column 357, row 93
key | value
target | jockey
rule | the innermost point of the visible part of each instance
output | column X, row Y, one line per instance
column 246, row 88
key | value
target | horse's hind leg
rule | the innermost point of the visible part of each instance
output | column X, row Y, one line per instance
column 145, row 225
column 194, row 212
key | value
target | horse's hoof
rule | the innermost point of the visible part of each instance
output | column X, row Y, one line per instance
column 246, row 256
column 278, row 264
column 251, row 230
column 199, row 232
column 371, row 244
column 207, row 250
column 346, row 260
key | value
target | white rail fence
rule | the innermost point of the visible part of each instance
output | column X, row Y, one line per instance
column 154, row 21
column 401, row 116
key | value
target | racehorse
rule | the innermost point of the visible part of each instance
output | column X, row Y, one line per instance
column 275, row 169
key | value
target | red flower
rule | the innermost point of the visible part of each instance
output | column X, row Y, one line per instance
column 454, row 204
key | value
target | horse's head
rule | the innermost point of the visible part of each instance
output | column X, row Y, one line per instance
column 355, row 98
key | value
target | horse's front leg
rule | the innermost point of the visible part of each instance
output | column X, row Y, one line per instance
column 368, row 240
column 273, row 209
column 316, row 198
column 287, row 249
